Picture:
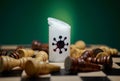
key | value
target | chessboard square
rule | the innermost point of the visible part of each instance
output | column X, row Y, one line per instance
column 24, row 75
column 62, row 72
column 116, row 59
column 113, row 72
column 114, row 78
column 65, row 78
column 94, row 78
column 91, row 74
column 11, row 73
column 115, row 66
column 118, row 63
column 35, row 79
column 8, row 47
column 10, row 79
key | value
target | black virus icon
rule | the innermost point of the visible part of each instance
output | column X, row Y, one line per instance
column 60, row 44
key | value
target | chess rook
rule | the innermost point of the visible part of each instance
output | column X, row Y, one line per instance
column 34, row 68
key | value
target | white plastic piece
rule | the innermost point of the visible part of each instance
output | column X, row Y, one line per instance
column 59, row 40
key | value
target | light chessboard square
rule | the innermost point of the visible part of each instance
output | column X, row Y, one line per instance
column 10, row 78
column 92, row 74
column 65, row 78
column 116, row 59
column 114, row 78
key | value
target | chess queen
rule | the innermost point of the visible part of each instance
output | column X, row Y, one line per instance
column 59, row 40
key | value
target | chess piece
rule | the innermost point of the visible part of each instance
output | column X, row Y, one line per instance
column 76, row 53
column 110, row 51
column 14, row 54
column 106, row 61
column 7, row 63
column 86, row 54
column 75, row 65
column 3, row 52
column 9, row 52
column 35, row 68
column 96, row 51
column 59, row 40
column 45, row 47
column 36, row 45
column 80, row 44
column 41, row 56
column 25, row 52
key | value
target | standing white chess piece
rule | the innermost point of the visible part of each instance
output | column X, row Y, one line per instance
column 59, row 40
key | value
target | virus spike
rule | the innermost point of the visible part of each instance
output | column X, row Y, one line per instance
column 60, row 51
column 53, row 44
column 54, row 39
column 67, row 44
column 65, row 49
column 54, row 49
column 60, row 37
column 65, row 38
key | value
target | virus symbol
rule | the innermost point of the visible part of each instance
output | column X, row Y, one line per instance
column 60, row 44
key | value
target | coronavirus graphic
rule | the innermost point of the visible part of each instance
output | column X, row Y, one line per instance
column 60, row 44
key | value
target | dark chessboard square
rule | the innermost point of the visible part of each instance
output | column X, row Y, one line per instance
column 12, row 73
column 116, row 56
column 36, row 79
column 118, row 64
column 62, row 72
column 113, row 72
column 94, row 78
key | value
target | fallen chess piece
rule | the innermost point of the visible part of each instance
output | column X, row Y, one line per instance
column 105, row 61
column 88, row 62
column 110, row 51
column 74, row 65
column 34, row 68
column 7, row 63
column 25, row 52
column 37, row 45
column 17, row 53
column 9, row 52
column 80, row 44
column 41, row 56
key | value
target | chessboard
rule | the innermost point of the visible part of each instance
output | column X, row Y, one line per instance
column 103, row 75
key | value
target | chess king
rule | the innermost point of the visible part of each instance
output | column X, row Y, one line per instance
column 59, row 40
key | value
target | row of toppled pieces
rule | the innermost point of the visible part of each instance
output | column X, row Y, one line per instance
column 95, row 50
column 86, row 62
column 18, row 51
column 39, row 65
column 32, row 66
column 93, row 58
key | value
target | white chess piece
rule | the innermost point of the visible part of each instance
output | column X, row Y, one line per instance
column 59, row 40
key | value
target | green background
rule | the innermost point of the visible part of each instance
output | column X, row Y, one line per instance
column 94, row 21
